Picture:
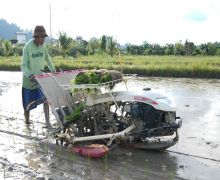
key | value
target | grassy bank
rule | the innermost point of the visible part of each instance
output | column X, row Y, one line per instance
column 163, row 66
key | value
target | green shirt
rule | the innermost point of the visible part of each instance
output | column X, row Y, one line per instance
column 34, row 59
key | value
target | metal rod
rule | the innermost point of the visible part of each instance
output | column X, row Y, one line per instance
column 105, row 136
column 50, row 25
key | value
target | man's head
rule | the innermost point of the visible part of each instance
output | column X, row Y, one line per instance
column 39, row 35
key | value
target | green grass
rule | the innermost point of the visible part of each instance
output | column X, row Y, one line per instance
column 163, row 66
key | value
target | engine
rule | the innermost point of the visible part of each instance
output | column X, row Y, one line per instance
column 150, row 120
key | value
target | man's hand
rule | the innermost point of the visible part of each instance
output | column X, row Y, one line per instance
column 32, row 78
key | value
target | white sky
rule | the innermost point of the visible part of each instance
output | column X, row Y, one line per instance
column 128, row 21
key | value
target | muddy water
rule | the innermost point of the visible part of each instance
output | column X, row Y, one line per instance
column 27, row 152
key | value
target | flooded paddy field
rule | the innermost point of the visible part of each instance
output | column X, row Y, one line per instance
column 27, row 152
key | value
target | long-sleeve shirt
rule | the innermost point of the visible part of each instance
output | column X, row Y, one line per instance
column 34, row 59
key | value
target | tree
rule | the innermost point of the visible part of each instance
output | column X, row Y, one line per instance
column 65, row 42
column 54, row 48
column 93, row 45
column 218, row 52
column 204, row 49
column 17, row 49
column 82, row 47
column 157, row 49
column 148, row 51
column 7, row 48
column 146, row 45
column 1, row 48
column 212, row 49
column 112, row 46
column 78, row 48
column 128, row 48
column 196, row 51
column 178, row 49
column 103, row 43
column 135, row 50
column 189, row 48
column 169, row 49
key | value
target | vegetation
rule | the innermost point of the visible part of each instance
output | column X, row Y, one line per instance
column 106, row 45
column 65, row 43
column 93, row 77
column 182, row 59
column 164, row 66
column 76, row 114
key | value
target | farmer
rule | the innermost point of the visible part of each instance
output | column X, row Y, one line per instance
column 35, row 56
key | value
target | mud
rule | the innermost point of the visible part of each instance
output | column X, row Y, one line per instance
column 27, row 152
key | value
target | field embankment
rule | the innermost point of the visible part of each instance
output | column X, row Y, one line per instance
column 162, row 66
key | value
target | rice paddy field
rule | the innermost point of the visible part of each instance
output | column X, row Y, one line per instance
column 158, row 66
column 28, row 152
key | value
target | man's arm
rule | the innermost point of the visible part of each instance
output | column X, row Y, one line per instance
column 24, row 63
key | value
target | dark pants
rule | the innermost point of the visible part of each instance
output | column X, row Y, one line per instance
column 32, row 98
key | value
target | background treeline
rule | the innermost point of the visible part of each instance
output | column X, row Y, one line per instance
column 106, row 45
column 8, row 31
column 67, row 46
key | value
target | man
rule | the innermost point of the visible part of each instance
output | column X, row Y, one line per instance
column 35, row 56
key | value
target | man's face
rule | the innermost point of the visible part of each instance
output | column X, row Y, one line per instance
column 39, row 40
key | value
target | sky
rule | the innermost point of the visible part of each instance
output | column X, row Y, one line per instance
column 128, row 21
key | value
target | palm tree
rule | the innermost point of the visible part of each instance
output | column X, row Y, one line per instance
column 65, row 42
column 7, row 47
